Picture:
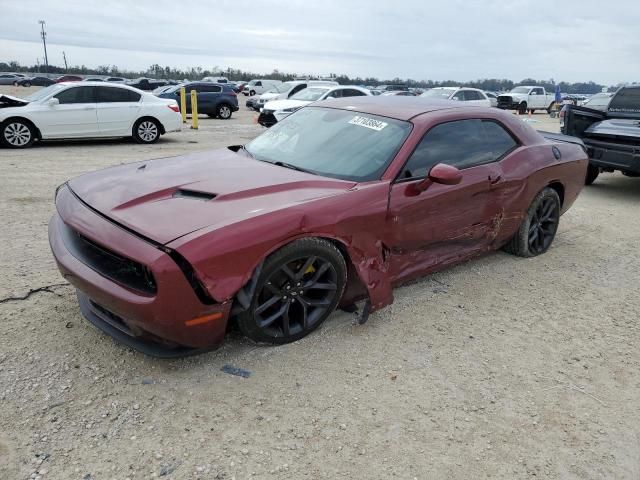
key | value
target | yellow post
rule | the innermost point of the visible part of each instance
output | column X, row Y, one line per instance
column 194, row 109
column 183, row 104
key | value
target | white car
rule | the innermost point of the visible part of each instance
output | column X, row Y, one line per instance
column 289, row 89
column 86, row 110
column 277, row 110
column 473, row 96
column 259, row 86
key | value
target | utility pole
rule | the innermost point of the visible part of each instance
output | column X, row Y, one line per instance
column 43, row 34
column 64, row 55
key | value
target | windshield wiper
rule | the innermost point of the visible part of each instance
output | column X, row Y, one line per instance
column 293, row 167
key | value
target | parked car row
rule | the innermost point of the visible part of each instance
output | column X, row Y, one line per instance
column 276, row 110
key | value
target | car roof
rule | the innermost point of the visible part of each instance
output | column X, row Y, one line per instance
column 394, row 106
column 99, row 84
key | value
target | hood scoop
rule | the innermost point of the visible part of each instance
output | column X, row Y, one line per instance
column 193, row 195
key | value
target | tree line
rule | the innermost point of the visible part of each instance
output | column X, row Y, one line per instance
column 235, row 74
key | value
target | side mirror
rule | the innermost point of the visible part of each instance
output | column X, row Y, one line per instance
column 440, row 173
column 52, row 102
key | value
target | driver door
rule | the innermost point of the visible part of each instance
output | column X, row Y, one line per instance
column 444, row 223
column 75, row 115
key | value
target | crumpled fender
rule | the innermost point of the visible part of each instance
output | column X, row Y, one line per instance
column 225, row 260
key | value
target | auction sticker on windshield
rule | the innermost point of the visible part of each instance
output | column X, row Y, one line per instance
column 371, row 123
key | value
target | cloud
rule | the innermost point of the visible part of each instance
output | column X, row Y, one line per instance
column 570, row 40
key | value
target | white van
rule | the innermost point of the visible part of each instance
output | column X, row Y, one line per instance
column 216, row 79
column 259, row 86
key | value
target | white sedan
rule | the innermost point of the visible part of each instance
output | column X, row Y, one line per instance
column 473, row 96
column 86, row 110
column 277, row 110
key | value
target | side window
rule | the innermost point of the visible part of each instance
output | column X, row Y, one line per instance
column 536, row 91
column 462, row 143
column 499, row 140
column 459, row 95
column 258, row 84
column 112, row 95
column 352, row 92
column 335, row 94
column 76, row 95
column 210, row 88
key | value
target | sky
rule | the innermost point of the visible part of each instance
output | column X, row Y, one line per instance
column 570, row 40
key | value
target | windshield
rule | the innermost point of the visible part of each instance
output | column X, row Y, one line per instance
column 520, row 90
column 310, row 94
column 45, row 92
column 333, row 143
column 437, row 93
column 598, row 100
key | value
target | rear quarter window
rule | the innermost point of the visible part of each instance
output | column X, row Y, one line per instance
column 627, row 100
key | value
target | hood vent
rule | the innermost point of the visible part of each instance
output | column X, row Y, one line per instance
column 193, row 195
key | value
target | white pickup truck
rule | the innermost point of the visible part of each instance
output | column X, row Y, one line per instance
column 525, row 98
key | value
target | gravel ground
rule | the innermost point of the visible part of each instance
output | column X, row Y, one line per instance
column 501, row 367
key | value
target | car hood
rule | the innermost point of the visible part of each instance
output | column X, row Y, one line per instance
column 282, row 104
column 7, row 101
column 269, row 96
column 168, row 198
column 515, row 95
column 616, row 127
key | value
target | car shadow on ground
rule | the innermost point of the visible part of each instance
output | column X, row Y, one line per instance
column 616, row 187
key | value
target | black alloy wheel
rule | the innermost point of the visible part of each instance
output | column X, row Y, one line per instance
column 299, row 287
column 538, row 227
column 543, row 225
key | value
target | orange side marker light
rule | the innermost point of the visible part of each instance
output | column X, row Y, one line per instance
column 205, row 319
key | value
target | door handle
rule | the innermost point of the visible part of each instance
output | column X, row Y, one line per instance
column 495, row 179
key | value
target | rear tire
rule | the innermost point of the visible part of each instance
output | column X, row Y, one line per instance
column 224, row 111
column 298, row 287
column 146, row 130
column 538, row 227
column 17, row 133
column 592, row 174
column 550, row 109
column 27, row 84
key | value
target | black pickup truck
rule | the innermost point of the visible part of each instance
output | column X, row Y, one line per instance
column 612, row 137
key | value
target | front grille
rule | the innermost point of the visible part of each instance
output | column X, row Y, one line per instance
column 507, row 101
column 122, row 270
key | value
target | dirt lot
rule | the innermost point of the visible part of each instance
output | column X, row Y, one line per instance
column 501, row 367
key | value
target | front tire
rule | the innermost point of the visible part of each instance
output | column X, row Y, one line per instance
column 592, row 174
column 27, row 84
column 17, row 134
column 299, row 286
column 146, row 130
column 224, row 111
column 539, row 226
column 252, row 93
column 522, row 108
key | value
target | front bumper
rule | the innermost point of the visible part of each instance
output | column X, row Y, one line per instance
column 170, row 318
column 615, row 156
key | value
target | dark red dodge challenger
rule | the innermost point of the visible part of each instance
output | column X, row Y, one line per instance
column 336, row 204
